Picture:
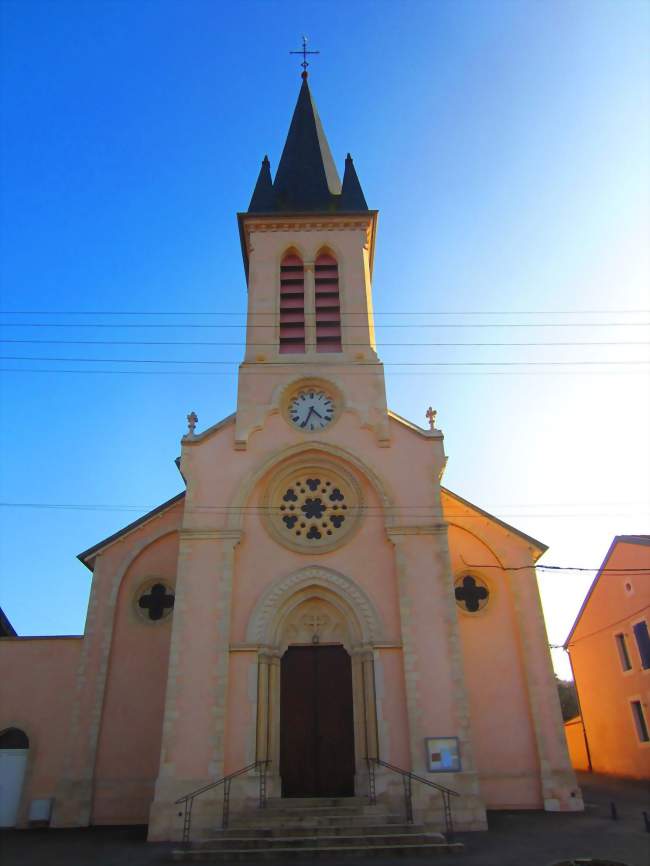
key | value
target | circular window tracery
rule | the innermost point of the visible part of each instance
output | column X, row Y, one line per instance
column 314, row 507
column 155, row 601
column 471, row 592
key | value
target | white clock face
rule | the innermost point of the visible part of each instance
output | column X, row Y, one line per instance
column 311, row 409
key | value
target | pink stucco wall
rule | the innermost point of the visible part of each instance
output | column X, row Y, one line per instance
column 504, row 740
column 37, row 678
column 128, row 753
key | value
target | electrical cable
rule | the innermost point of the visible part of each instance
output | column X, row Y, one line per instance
column 382, row 313
column 243, row 344
column 356, row 364
column 408, row 325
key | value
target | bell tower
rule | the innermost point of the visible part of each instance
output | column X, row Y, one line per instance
column 308, row 245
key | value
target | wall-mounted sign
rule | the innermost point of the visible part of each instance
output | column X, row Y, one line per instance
column 443, row 754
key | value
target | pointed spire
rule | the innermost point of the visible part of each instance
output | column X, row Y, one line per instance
column 352, row 197
column 307, row 177
column 263, row 199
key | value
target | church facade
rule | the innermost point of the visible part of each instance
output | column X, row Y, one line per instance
column 315, row 599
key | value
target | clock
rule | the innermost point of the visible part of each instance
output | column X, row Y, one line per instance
column 311, row 409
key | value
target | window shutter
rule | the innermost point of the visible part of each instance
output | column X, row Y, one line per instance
column 640, row 630
column 328, row 304
column 292, row 305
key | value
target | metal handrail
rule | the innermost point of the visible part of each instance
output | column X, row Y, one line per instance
column 188, row 799
column 407, row 778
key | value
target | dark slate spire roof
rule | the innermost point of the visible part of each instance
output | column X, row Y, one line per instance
column 352, row 197
column 307, row 179
column 263, row 199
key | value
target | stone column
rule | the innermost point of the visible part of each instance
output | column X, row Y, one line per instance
column 436, row 697
column 365, row 715
column 310, row 307
column 267, row 744
column 192, row 753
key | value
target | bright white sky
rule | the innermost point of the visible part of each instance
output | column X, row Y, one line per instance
column 506, row 147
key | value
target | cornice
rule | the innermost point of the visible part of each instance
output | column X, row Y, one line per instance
column 249, row 224
column 210, row 535
column 426, row 529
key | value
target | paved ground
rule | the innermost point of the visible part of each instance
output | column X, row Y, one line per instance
column 514, row 838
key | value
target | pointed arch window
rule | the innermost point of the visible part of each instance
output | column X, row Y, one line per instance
column 328, row 304
column 292, row 305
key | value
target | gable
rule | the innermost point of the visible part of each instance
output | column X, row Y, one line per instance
column 88, row 556
column 465, row 508
column 608, row 600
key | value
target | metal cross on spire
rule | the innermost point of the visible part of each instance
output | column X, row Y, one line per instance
column 304, row 52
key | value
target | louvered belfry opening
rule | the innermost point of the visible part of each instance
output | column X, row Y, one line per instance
column 328, row 304
column 292, row 305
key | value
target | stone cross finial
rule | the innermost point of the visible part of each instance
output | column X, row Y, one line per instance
column 431, row 417
column 192, row 421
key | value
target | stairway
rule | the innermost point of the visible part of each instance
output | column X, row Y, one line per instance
column 317, row 827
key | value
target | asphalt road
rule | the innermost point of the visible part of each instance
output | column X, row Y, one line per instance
column 513, row 838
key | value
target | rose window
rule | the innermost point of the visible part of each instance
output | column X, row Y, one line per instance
column 313, row 508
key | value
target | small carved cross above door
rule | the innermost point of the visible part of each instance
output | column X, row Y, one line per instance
column 315, row 622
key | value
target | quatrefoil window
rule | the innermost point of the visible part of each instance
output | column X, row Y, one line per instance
column 313, row 509
column 155, row 601
column 471, row 593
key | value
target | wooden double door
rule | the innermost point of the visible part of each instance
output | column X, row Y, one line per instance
column 316, row 722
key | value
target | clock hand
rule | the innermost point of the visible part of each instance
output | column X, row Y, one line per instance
column 316, row 413
column 304, row 423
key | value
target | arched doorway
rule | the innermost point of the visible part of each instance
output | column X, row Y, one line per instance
column 14, row 750
column 316, row 722
column 313, row 621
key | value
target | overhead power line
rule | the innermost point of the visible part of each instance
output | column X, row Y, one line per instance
column 376, row 313
column 243, row 344
column 409, row 325
column 372, row 364
column 565, row 568
column 404, row 511
column 609, row 625
column 271, row 372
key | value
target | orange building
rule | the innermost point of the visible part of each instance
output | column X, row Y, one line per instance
column 609, row 649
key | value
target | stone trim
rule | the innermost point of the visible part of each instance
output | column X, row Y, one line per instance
column 332, row 474
column 278, row 593
column 296, row 452
column 211, row 534
column 394, row 532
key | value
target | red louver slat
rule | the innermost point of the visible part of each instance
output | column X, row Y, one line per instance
column 292, row 306
column 328, row 305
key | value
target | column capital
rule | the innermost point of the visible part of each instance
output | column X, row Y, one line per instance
column 397, row 533
column 231, row 535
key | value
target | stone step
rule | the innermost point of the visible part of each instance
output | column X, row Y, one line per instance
column 320, row 841
column 263, row 820
column 293, row 802
column 347, row 809
column 369, row 829
column 400, row 849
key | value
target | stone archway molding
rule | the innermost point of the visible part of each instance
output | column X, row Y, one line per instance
column 236, row 510
column 274, row 601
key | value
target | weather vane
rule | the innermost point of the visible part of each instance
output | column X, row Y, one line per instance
column 304, row 53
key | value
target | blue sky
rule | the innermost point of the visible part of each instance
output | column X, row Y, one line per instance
column 505, row 145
